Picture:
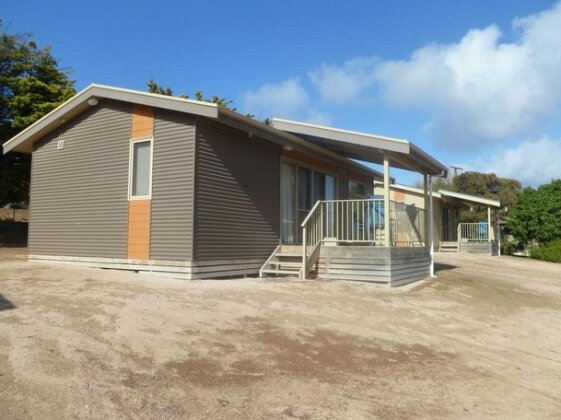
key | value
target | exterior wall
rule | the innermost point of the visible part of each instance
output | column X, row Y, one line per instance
column 78, row 200
column 237, row 199
column 393, row 266
column 173, row 186
column 308, row 161
column 418, row 200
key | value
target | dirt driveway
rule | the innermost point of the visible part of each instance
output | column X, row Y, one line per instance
column 484, row 339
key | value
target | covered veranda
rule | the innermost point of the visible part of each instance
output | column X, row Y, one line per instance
column 450, row 234
column 359, row 239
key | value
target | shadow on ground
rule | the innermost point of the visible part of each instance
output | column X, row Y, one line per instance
column 5, row 304
column 443, row 267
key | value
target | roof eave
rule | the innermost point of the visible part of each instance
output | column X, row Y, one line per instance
column 22, row 141
column 431, row 165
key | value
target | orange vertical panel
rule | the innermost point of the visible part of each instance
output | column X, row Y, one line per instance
column 139, row 230
column 142, row 122
column 138, row 243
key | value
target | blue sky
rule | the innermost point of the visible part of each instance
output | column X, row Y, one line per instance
column 475, row 83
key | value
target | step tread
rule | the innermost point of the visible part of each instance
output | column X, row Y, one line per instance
column 288, row 255
column 291, row 272
column 286, row 263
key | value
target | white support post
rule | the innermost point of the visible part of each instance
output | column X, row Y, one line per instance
column 304, row 249
column 431, row 228
column 387, row 228
column 321, row 222
column 489, row 226
column 426, row 207
column 497, row 217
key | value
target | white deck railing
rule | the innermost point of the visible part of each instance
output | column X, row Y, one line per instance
column 360, row 222
column 407, row 225
column 473, row 232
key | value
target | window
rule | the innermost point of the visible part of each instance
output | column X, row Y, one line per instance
column 356, row 190
column 141, row 169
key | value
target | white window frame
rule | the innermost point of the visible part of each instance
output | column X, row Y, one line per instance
column 131, row 152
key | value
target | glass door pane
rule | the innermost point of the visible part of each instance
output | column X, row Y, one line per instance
column 319, row 187
column 288, row 203
column 304, row 197
column 330, row 194
column 330, row 187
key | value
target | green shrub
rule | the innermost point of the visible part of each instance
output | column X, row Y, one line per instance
column 547, row 252
column 509, row 247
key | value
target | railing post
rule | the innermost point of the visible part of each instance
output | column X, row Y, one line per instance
column 321, row 221
column 426, row 215
column 489, row 223
column 303, row 272
column 459, row 235
column 431, row 229
column 387, row 229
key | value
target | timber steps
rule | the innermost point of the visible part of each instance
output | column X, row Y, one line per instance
column 448, row 246
column 286, row 260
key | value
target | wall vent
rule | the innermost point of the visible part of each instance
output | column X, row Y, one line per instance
column 60, row 144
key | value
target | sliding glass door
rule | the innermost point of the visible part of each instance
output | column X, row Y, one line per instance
column 300, row 189
column 288, row 203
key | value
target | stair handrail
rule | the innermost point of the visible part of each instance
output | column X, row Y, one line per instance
column 303, row 225
column 264, row 266
column 316, row 236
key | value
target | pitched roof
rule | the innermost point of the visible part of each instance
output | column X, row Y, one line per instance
column 22, row 141
column 301, row 136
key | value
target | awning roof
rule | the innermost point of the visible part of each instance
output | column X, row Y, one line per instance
column 366, row 147
column 469, row 199
column 451, row 196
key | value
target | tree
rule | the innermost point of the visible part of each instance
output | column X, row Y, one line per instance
column 536, row 214
column 31, row 85
column 505, row 190
column 154, row 87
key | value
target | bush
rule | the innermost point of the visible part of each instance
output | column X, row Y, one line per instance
column 509, row 247
column 547, row 252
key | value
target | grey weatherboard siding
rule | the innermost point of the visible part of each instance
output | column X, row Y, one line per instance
column 172, row 186
column 78, row 196
column 237, row 204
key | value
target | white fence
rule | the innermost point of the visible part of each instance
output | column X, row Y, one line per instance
column 473, row 232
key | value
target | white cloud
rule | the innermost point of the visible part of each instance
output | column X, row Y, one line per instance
column 532, row 162
column 288, row 99
column 475, row 91
column 346, row 83
column 480, row 89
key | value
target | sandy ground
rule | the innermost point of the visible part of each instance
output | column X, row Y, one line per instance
column 481, row 340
